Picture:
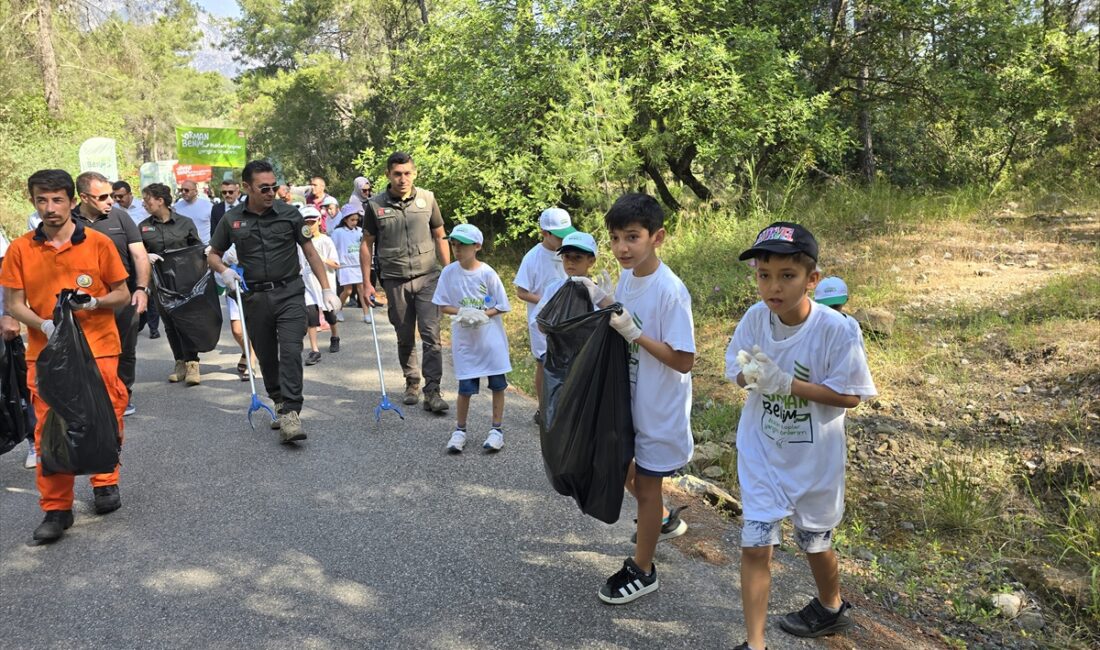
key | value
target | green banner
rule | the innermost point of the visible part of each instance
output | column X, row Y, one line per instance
column 200, row 145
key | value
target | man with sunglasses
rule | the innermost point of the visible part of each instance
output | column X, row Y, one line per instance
column 196, row 208
column 267, row 234
column 231, row 196
column 97, row 211
column 124, row 198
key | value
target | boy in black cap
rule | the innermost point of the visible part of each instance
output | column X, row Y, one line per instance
column 803, row 366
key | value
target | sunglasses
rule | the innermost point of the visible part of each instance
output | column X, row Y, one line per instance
column 118, row 197
column 101, row 197
column 267, row 189
column 225, row 192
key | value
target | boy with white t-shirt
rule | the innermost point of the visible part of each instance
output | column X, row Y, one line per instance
column 657, row 323
column 541, row 266
column 803, row 366
column 471, row 292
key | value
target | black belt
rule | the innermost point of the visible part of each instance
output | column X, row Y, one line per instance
column 269, row 286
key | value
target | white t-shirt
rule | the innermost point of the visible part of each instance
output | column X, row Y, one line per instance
column 199, row 212
column 540, row 267
column 347, row 242
column 33, row 220
column 327, row 250
column 791, row 451
column 660, row 397
column 482, row 351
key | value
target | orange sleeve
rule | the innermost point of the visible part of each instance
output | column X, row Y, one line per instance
column 11, row 275
column 110, row 264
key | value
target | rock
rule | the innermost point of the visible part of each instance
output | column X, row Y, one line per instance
column 1031, row 263
column 1031, row 620
column 1003, row 418
column 893, row 445
column 1004, row 313
column 907, row 525
column 714, row 471
column 881, row 505
column 1007, row 604
column 1022, row 390
column 876, row 322
column 947, row 255
column 885, row 429
column 863, row 554
column 1012, row 205
column 713, row 493
column 707, row 453
column 984, row 272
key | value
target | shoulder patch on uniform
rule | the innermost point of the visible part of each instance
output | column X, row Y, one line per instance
column 147, row 229
column 381, row 211
column 420, row 203
column 307, row 232
column 238, row 224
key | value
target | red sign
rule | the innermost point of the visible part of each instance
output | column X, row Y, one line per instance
column 196, row 173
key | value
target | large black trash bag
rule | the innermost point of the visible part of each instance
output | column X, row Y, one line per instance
column 587, row 432
column 187, row 293
column 80, row 432
column 15, row 398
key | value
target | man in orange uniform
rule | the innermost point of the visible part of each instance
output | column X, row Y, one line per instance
column 63, row 254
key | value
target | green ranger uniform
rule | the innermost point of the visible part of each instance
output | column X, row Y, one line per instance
column 409, row 269
column 158, row 237
column 275, row 307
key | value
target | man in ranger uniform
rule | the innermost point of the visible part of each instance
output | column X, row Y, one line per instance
column 267, row 234
column 408, row 227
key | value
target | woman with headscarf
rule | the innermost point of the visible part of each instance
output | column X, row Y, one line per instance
column 361, row 193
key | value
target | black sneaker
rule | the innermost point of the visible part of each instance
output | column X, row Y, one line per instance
column 53, row 526
column 746, row 646
column 537, row 417
column 814, row 620
column 674, row 527
column 334, row 344
column 155, row 334
column 107, row 499
column 630, row 583
column 313, row 358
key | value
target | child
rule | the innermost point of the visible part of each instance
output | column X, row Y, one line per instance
column 330, row 208
column 577, row 254
column 806, row 367
column 331, row 259
column 541, row 266
column 472, row 292
column 346, row 236
column 833, row 292
column 658, row 325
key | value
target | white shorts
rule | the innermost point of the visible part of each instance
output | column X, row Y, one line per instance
column 234, row 310
column 349, row 276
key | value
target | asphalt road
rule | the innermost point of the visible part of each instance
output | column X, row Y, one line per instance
column 367, row 535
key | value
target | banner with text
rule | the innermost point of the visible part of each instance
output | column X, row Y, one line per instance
column 98, row 155
column 158, row 172
column 200, row 145
column 196, row 173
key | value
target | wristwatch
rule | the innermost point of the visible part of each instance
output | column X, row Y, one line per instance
column 141, row 288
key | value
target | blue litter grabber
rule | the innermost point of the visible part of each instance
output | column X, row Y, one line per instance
column 256, row 405
column 385, row 405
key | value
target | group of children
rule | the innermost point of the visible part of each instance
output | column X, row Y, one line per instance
column 802, row 364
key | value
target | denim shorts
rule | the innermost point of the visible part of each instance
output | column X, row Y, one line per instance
column 770, row 533
column 496, row 384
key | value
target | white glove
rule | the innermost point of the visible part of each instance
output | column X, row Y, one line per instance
column 47, row 328
column 332, row 301
column 626, row 327
column 154, row 258
column 471, row 317
column 750, row 368
column 231, row 280
column 603, row 281
column 230, row 256
column 84, row 306
column 595, row 293
column 206, row 251
column 772, row 380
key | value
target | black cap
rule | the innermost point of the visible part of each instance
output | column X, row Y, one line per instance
column 783, row 238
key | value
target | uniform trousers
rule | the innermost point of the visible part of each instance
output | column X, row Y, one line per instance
column 276, row 322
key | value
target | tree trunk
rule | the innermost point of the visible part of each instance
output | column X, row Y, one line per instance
column 681, row 169
column 867, row 150
column 423, row 10
column 47, row 59
column 662, row 189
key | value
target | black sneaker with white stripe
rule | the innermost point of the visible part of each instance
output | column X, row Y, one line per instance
column 629, row 583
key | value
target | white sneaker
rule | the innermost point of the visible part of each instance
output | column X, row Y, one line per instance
column 32, row 459
column 458, row 441
column 495, row 440
column 340, row 317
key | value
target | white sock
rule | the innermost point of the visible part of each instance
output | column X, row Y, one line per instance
column 831, row 610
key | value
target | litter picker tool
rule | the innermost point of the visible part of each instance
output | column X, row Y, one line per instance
column 385, row 405
column 256, row 405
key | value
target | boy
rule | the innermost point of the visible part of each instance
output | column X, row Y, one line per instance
column 472, row 292
column 541, row 266
column 806, row 368
column 314, row 304
column 832, row 292
column 577, row 254
column 657, row 323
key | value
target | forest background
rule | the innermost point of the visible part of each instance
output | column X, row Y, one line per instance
column 924, row 141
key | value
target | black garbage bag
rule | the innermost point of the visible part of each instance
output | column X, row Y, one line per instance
column 80, row 433
column 187, row 293
column 15, row 398
column 587, row 432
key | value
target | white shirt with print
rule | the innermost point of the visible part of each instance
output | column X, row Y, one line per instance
column 660, row 397
column 322, row 243
column 791, row 451
column 481, row 351
column 347, row 242
column 540, row 267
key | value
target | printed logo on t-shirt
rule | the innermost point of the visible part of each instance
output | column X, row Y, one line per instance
column 480, row 302
column 633, row 349
column 787, row 419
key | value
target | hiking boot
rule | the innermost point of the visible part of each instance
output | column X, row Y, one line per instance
column 53, row 526
column 291, row 429
column 814, row 620
column 629, row 583
column 192, row 376
column 179, row 373
column 433, row 402
column 107, row 499
column 334, row 344
column 313, row 357
column 277, row 422
column 412, row 393
column 671, row 527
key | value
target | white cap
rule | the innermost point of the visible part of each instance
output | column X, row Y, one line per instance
column 466, row 233
column 557, row 221
column 309, row 212
column 831, row 291
column 580, row 240
column 330, row 200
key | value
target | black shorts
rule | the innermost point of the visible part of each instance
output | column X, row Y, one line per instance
column 313, row 316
